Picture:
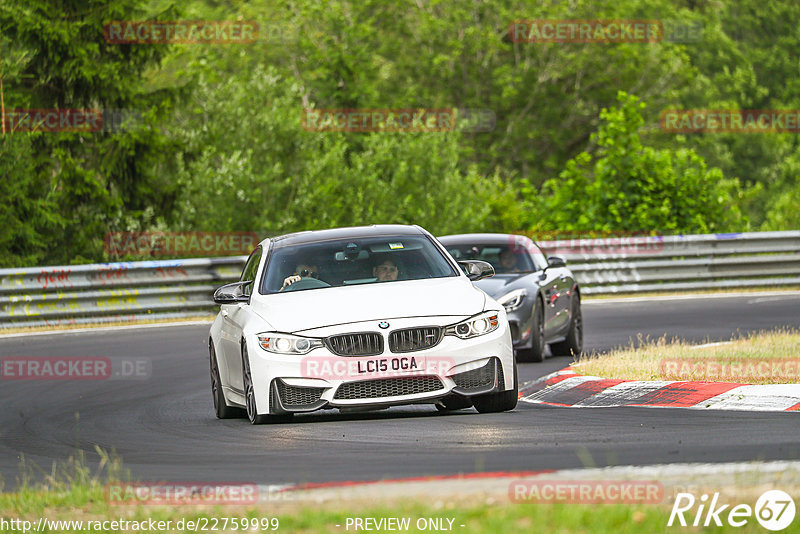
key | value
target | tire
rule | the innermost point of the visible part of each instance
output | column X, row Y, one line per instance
column 221, row 408
column 455, row 402
column 573, row 344
column 536, row 352
column 249, row 392
column 498, row 402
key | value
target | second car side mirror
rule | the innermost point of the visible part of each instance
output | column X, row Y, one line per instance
column 232, row 293
column 556, row 261
column 477, row 269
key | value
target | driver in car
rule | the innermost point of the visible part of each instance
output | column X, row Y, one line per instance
column 302, row 270
column 508, row 260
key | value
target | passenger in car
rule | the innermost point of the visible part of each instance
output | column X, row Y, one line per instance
column 386, row 271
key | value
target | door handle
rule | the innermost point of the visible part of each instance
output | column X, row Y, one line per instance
column 224, row 313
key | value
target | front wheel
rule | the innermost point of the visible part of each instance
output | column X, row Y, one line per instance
column 249, row 392
column 221, row 408
column 573, row 344
column 498, row 402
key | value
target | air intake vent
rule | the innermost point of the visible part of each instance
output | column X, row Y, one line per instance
column 295, row 397
column 478, row 380
column 412, row 339
column 361, row 344
column 388, row 387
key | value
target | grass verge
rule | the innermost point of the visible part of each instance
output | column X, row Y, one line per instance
column 85, row 503
column 766, row 357
column 73, row 494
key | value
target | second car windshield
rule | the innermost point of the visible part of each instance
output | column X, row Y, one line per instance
column 357, row 261
column 505, row 259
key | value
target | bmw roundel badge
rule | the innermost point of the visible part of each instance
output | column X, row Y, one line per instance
column 383, row 324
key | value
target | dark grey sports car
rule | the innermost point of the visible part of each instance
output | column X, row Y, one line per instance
column 540, row 295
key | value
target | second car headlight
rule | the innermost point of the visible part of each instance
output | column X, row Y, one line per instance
column 513, row 299
column 287, row 344
column 474, row 326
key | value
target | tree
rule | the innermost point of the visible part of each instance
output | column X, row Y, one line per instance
column 28, row 215
column 625, row 186
column 56, row 57
column 249, row 165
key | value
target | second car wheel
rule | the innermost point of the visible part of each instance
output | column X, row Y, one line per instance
column 573, row 344
column 536, row 352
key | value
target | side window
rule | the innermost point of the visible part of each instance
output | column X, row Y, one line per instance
column 250, row 268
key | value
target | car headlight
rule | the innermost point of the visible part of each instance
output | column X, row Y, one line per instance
column 286, row 344
column 513, row 299
column 474, row 326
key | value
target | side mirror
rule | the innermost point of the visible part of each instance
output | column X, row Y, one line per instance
column 476, row 269
column 556, row 261
column 231, row 293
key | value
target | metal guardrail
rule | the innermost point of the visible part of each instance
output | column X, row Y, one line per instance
column 113, row 292
column 682, row 263
column 119, row 292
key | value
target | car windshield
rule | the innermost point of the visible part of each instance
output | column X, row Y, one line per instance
column 368, row 260
column 504, row 258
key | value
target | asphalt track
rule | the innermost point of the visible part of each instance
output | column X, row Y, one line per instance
column 164, row 429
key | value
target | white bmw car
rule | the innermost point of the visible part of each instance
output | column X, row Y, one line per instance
column 358, row 319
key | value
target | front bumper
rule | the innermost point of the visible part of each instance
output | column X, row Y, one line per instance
column 322, row 379
column 520, row 323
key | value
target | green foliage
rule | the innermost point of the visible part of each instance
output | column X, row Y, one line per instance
column 449, row 53
column 784, row 208
column 219, row 146
column 79, row 185
column 28, row 214
column 250, row 166
column 625, row 186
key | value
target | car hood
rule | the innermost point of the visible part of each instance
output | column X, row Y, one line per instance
column 500, row 284
column 303, row 310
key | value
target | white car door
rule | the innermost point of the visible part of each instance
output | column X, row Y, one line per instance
column 234, row 317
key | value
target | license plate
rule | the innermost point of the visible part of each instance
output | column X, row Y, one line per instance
column 396, row 364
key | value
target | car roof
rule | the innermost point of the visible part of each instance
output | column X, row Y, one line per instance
column 352, row 232
column 488, row 239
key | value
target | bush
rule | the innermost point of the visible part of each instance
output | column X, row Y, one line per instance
column 625, row 186
column 250, row 166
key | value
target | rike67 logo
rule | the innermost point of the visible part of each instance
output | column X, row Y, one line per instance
column 774, row 510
